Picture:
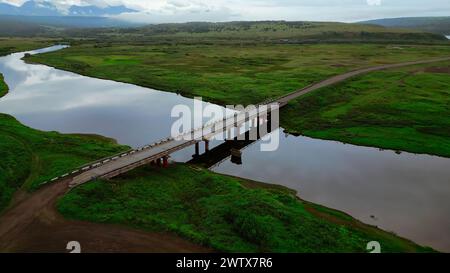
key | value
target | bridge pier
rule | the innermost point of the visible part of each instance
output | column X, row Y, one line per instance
column 206, row 145
column 158, row 162
column 269, row 121
column 258, row 135
column 165, row 162
column 197, row 149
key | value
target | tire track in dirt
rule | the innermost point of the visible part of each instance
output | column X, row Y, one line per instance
column 34, row 225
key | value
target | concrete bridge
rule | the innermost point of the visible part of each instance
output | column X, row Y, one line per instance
column 159, row 152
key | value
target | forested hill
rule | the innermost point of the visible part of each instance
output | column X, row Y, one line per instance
column 265, row 31
column 439, row 25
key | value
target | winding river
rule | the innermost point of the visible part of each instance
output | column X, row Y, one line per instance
column 405, row 193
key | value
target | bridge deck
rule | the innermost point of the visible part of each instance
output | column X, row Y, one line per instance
column 123, row 164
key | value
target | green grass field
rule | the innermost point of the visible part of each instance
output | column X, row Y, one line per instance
column 30, row 157
column 257, row 32
column 3, row 86
column 226, row 213
column 402, row 109
column 11, row 45
column 229, row 74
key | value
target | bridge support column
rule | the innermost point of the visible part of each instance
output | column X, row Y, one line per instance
column 258, row 135
column 206, row 145
column 165, row 162
column 269, row 121
column 197, row 149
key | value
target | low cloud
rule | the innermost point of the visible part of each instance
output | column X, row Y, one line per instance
column 158, row 11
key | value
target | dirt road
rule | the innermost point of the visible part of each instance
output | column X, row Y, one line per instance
column 34, row 225
column 339, row 78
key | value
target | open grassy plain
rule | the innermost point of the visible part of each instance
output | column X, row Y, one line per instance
column 30, row 157
column 402, row 109
column 258, row 32
column 226, row 213
column 11, row 45
column 229, row 74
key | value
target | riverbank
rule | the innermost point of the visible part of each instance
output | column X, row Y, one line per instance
column 30, row 157
column 3, row 86
column 400, row 109
column 271, row 71
column 228, row 74
column 215, row 211
column 225, row 213
column 12, row 45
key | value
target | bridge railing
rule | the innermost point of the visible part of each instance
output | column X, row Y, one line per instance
column 105, row 160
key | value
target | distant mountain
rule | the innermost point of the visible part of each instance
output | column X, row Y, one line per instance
column 46, row 8
column 32, row 8
column 439, row 25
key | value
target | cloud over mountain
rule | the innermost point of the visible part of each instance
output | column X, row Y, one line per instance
column 48, row 8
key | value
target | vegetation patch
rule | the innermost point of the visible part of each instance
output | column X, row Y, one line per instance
column 3, row 86
column 228, row 74
column 11, row 45
column 402, row 109
column 30, row 157
column 226, row 213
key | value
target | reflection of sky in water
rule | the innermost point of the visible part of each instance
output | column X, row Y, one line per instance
column 408, row 194
column 50, row 99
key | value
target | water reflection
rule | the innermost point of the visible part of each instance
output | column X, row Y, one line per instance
column 406, row 193
column 54, row 100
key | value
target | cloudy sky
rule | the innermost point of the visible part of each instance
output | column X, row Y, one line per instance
column 156, row 11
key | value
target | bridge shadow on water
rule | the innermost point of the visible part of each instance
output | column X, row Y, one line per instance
column 229, row 149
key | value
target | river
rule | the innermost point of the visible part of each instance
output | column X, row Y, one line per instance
column 404, row 193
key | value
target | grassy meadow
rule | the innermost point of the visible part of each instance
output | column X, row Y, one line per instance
column 402, row 109
column 11, row 45
column 229, row 74
column 226, row 213
column 3, row 86
column 258, row 32
column 30, row 157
